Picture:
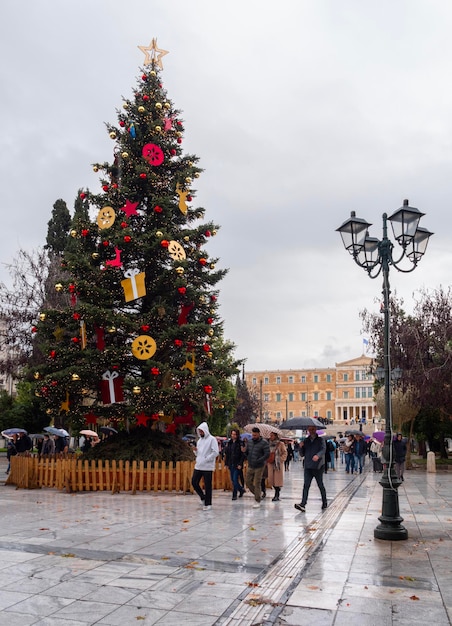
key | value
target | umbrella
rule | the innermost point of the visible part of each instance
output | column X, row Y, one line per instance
column 265, row 430
column 36, row 436
column 354, row 432
column 108, row 430
column 379, row 435
column 245, row 436
column 321, row 433
column 89, row 433
column 301, row 423
column 57, row 431
column 9, row 432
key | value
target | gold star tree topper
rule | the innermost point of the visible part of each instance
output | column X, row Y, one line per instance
column 153, row 54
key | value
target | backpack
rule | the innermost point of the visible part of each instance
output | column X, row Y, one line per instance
column 330, row 446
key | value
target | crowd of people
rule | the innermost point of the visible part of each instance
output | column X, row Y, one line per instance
column 266, row 461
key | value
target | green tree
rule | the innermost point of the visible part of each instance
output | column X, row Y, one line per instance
column 58, row 228
column 248, row 404
column 135, row 337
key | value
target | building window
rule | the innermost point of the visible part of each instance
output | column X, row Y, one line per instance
column 345, row 395
column 370, row 392
column 266, row 397
column 254, row 381
column 303, row 379
column 278, row 397
column 316, row 396
column 316, row 378
column 291, row 395
column 278, row 380
column 304, row 396
column 328, row 415
column 328, row 395
column 266, row 380
column 278, row 416
column 290, row 380
column 328, row 378
column 345, row 378
column 291, row 414
column 266, row 416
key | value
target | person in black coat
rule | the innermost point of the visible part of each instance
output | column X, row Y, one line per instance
column 313, row 448
column 234, row 458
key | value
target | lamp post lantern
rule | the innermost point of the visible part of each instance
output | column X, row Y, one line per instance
column 376, row 256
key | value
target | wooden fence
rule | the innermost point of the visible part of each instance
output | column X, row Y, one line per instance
column 72, row 474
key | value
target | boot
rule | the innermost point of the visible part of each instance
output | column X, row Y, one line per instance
column 276, row 496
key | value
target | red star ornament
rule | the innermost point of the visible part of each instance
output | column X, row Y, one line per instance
column 130, row 208
column 142, row 419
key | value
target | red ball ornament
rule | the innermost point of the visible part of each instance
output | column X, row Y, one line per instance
column 207, row 388
column 164, row 243
column 206, row 347
column 76, row 316
column 34, row 329
column 105, row 187
column 145, row 328
column 105, row 243
column 82, row 196
column 145, row 97
column 213, row 298
column 75, row 339
column 127, row 238
column 52, row 354
column 85, row 232
column 122, row 123
column 210, row 320
column 202, row 261
column 179, row 123
column 177, row 386
column 115, row 186
column 179, row 140
column 54, row 383
column 155, row 371
column 144, row 77
column 173, row 152
column 158, row 209
column 182, row 290
column 178, row 343
column 143, row 175
column 189, row 198
column 207, row 233
column 124, row 224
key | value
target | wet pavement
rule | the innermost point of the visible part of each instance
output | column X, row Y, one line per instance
column 114, row 560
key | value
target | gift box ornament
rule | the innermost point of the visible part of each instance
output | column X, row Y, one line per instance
column 112, row 387
column 133, row 285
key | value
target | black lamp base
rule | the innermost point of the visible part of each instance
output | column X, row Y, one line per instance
column 390, row 527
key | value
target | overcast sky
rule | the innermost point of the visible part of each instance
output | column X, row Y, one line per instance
column 299, row 111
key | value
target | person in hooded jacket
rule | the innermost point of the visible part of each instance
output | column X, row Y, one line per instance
column 206, row 453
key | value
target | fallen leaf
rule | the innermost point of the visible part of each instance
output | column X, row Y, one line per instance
column 68, row 555
column 185, row 521
column 44, row 529
column 414, row 598
column 251, row 584
column 211, row 583
column 313, row 587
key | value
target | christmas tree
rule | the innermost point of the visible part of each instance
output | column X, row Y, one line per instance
column 135, row 337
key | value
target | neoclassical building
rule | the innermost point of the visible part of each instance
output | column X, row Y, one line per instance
column 344, row 393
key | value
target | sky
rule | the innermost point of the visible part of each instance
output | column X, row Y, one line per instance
column 300, row 112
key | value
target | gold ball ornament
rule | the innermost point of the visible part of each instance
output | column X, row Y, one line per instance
column 212, row 266
column 210, row 332
column 152, row 73
column 196, row 174
column 59, row 287
column 112, row 134
column 158, row 129
column 125, row 155
column 190, row 164
column 95, row 168
column 186, row 238
column 36, row 375
column 49, row 411
column 167, row 105
column 188, row 180
column 141, row 109
column 75, row 377
column 159, row 234
column 42, row 317
column 136, row 390
column 214, row 232
column 180, row 270
column 202, row 299
column 210, row 355
column 73, row 233
column 143, row 347
column 112, row 330
column 95, row 255
column 158, row 105
column 125, row 105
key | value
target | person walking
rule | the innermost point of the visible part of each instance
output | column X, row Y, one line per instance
column 289, row 456
column 399, row 456
column 234, row 458
column 48, row 446
column 349, row 449
column 206, row 453
column 278, row 455
column 360, row 450
column 257, row 453
column 313, row 448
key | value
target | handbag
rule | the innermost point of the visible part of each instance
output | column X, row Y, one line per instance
column 271, row 458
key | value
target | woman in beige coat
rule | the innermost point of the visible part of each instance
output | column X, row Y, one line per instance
column 275, row 464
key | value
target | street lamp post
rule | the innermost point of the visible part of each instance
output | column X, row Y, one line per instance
column 376, row 256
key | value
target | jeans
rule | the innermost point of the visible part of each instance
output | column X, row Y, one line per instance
column 236, row 487
column 349, row 463
column 332, row 459
column 359, row 462
column 309, row 474
column 195, row 480
column 253, row 481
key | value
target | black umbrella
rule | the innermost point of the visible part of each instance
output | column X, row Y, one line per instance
column 108, row 430
column 300, row 423
column 354, row 432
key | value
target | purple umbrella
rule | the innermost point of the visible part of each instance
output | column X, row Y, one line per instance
column 379, row 435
